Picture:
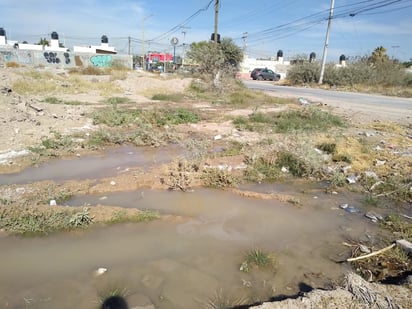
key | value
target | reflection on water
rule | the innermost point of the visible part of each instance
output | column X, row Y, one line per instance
column 113, row 162
column 181, row 264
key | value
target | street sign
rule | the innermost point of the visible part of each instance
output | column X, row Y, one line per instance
column 174, row 41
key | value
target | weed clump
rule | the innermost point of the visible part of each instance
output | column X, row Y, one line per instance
column 295, row 165
column 308, row 119
column 257, row 258
column 219, row 178
column 37, row 221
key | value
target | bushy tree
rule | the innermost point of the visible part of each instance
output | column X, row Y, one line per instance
column 43, row 41
column 379, row 56
column 211, row 59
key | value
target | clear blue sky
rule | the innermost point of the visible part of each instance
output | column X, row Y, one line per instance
column 294, row 26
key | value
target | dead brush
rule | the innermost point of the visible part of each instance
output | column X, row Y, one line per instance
column 180, row 175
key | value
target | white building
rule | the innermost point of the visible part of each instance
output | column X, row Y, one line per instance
column 104, row 48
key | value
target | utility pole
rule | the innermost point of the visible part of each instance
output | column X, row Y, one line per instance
column 244, row 37
column 216, row 21
column 129, row 46
column 143, row 51
column 325, row 48
column 184, row 31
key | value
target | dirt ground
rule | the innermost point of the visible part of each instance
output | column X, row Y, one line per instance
column 27, row 119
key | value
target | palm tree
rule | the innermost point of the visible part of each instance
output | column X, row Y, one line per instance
column 379, row 55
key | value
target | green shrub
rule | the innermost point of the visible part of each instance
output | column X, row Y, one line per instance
column 307, row 119
column 296, row 166
column 257, row 258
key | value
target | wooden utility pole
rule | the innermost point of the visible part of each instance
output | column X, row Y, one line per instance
column 216, row 21
column 129, row 46
column 325, row 48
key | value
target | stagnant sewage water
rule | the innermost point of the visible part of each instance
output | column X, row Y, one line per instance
column 112, row 162
column 188, row 261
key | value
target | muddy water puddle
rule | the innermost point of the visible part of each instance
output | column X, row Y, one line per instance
column 183, row 263
column 110, row 163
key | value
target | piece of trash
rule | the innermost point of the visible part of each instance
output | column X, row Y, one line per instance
column 406, row 216
column 284, row 169
column 351, row 179
column 352, row 210
column 364, row 249
column 113, row 183
column 103, row 198
column 217, row 137
column 380, row 162
column 303, row 101
column 349, row 209
column 374, row 217
column 100, row 271
column 53, row 203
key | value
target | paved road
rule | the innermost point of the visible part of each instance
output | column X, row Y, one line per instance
column 363, row 105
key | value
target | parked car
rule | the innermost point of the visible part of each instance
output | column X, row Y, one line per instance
column 264, row 74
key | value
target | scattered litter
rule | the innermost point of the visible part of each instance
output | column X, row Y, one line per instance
column 406, row 216
column 284, row 169
column 346, row 168
column 53, row 203
column 380, row 162
column 303, row 101
column 378, row 148
column 349, row 209
column 217, row 137
column 351, row 179
column 315, row 197
column 367, row 134
column 405, row 245
column 103, row 198
column 364, row 249
column 334, row 192
column 100, row 271
column 371, row 174
column 113, row 183
column 20, row 190
column 374, row 217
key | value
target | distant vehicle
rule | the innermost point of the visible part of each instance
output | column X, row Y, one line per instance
column 264, row 74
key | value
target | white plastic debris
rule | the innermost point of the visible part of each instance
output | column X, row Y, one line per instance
column 217, row 137
column 100, row 271
column 351, row 179
column 113, row 183
column 380, row 162
column 284, row 169
column 303, row 101
column 53, row 203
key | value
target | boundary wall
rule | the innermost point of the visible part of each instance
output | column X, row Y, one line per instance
column 61, row 59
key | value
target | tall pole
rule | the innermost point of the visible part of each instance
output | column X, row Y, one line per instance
column 325, row 48
column 143, row 51
column 143, row 58
column 129, row 46
column 216, row 20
